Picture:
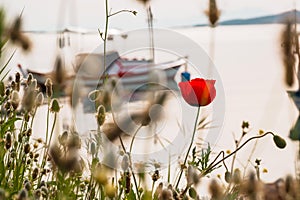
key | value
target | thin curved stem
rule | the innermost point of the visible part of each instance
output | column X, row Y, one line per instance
column 130, row 167
column 52, row 130
column 134, row 135
column 120, row 11
column 48, row 146
column 190, row 146
column 31, row 124
column 105, row 35
column 47, row 122
column 213, row 165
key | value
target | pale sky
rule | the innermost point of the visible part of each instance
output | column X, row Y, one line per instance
column 46, row 15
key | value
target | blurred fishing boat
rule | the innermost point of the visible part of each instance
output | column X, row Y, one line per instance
column 133, row 74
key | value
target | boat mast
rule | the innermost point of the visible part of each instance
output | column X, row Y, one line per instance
column 151, row 33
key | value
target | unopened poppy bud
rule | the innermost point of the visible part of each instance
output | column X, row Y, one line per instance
column 39, row 99
column 54, row 106
column 49, row 89
column 15, row 99
column 227, row 176
column 192, row 193
column 100, row 115
column 2, row 89
column 125, row 162
column 279, row 141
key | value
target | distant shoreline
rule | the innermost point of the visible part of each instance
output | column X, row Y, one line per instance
column 270, row 19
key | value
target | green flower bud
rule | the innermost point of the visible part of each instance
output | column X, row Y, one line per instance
column 192, row 193
column 227, row 176
column 279, row 141
column 54, row 106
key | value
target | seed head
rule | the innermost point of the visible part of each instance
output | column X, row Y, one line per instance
column 213, row 13
column 63, row 139
column 237, row 176
column 39, row 100
column 155, row 176
column 49, row 88
column 215, row 190
column 23, row 194
column 35, row 173
column 8, row 140
column 29, row 98
column 166, row 194
column 15, row 99
column 17, row 77
column 2, row 89
column 27, row 185
column 27, row 148
column 29, row 78
column 54, row 106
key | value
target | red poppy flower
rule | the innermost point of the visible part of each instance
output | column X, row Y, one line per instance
column 198, row 92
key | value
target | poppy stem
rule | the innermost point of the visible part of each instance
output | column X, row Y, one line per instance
column 190, row 147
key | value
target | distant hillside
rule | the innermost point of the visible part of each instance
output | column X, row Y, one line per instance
column 270, row 19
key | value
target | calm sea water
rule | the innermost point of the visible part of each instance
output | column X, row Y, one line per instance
column 248, row 61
